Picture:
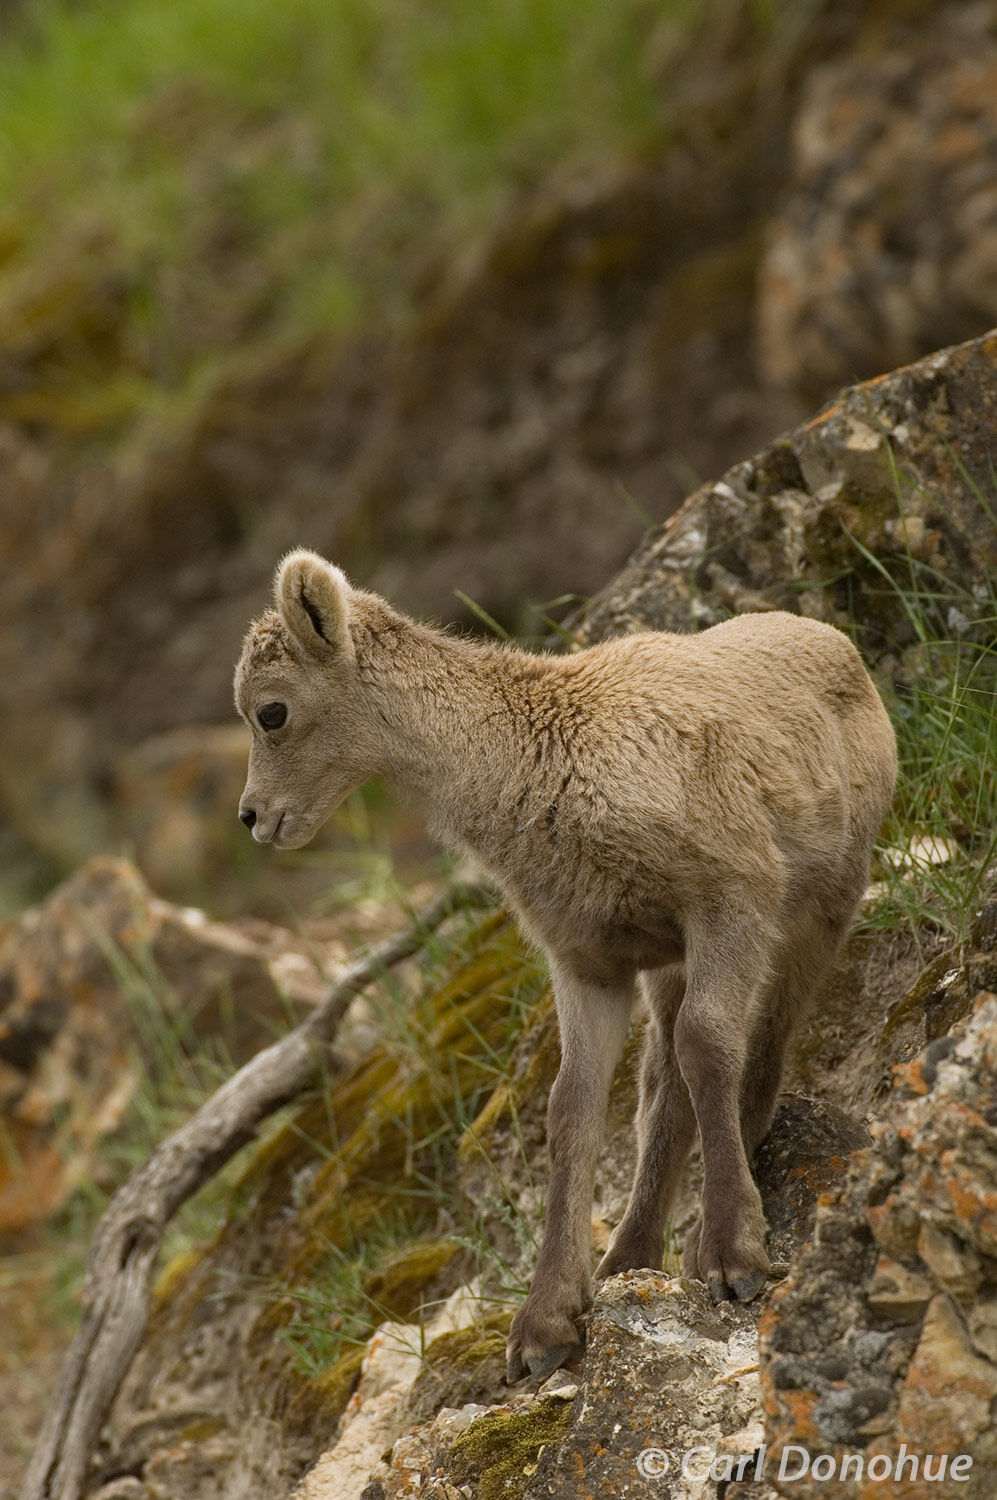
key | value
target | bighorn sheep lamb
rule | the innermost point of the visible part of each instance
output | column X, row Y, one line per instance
column 696, row 811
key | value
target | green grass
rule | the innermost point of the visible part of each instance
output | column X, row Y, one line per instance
column 440, row 95
column 945, row 716
column 244, row 171
column 943, row 704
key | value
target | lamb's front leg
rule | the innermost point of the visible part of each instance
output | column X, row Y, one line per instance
column 593, row 1020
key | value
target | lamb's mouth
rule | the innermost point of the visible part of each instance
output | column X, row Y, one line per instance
column 269, row 838
column 296, row 832
column 297, row 837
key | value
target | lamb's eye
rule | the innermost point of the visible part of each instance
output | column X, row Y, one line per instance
column 272, row 715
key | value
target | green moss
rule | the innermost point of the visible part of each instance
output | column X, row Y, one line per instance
column 324, row 1398
column 499, row 1452
column 910, row 1009
column 463, row 1345
column 200, row 1430
column 465, row 1365
column 542, row 1046
column 400, row 1285
column 175, row 1273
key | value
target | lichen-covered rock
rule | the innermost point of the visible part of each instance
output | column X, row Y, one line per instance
column 803, row 1155
column 894, row 475
column 942, row 995
column 885, row 1331
column 668, row 1391
column 463, row 1366
column 891, row 994
column 488, row 1452
column 375, row 1416
column 665, row 1370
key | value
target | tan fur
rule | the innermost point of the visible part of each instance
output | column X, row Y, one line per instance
column 693, row 811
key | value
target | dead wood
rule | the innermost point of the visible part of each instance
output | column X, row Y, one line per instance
column 116, row 1289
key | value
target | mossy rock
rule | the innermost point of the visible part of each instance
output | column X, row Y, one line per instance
column 465, row 1365
column 417, row 1274
column 500, row 1452
column 325, row 1398
column 909, row 1014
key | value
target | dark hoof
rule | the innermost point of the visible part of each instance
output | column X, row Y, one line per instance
column 739, row 1288
column 748, row 1286
column 535, row 1352
column 539, row 1366
column 542, row 1365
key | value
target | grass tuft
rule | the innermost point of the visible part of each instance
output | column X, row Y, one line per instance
column 937, row 855
column 938, row 849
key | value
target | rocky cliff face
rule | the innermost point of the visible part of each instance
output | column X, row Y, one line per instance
column 343, row 1334
column 819, row 208
column 885, row 1331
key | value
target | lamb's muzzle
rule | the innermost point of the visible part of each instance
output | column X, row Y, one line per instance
column 690, row 814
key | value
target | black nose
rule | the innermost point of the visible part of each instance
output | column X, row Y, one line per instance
column 248, row 817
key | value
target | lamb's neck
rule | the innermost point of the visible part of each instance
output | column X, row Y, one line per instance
column 448, row 728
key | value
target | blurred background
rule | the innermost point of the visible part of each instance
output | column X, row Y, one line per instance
column 462, row 296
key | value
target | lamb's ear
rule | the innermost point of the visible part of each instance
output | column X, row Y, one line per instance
column 313, row 600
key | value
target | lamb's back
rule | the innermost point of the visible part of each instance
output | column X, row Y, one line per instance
column 765, row 719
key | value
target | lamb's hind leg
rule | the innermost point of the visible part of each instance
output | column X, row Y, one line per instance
column 727, row 966
column 804, row 965
column 801, row 968
column 593, row 1020
column 666, row 1126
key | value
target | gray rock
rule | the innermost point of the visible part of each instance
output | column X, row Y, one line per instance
column 900, row 1283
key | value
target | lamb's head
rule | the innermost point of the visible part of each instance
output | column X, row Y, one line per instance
column 298, row 688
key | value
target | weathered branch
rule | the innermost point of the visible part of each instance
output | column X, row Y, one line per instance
column 116, row 1289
